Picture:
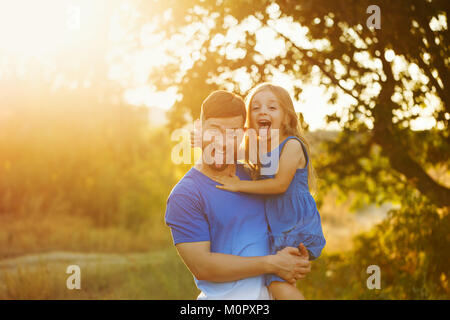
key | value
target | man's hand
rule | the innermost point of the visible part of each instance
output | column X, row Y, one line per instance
column 220, row 267
column 291, row 263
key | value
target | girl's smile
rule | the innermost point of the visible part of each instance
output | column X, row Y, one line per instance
column 265, row 112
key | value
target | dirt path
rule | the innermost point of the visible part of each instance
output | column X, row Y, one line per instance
column 60, row 260
column 33, row 260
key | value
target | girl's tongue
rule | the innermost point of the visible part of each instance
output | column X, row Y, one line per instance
column 264, row 127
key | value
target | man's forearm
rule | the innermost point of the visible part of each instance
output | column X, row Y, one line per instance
column 219, row 267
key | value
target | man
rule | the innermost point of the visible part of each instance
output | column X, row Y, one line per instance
column 222, row 236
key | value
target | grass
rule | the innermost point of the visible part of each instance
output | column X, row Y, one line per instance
column 157, row 275
column 20, row 235
column 115, row 262
column 119, row 263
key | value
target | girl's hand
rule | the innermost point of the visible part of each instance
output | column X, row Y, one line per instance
column 230, row 183
column 196, row 134
column 303, row 251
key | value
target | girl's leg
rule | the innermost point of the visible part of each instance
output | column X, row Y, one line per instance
column 285, row 291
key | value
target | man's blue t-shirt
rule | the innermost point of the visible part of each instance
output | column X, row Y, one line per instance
column 233, row 222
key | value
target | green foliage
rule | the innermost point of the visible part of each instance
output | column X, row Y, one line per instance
column 102, row 161
column 411, row 248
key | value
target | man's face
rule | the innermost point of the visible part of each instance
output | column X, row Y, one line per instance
column 221, row 137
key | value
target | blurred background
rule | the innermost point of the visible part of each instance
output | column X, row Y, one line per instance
column 90, row 92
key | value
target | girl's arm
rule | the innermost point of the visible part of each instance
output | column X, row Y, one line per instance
column 291, row 158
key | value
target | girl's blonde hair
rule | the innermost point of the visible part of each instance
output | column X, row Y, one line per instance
column 291, row 127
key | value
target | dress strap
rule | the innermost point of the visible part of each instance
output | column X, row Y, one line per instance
column 302, row 144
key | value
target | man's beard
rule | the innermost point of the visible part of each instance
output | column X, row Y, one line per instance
column 222, row 167
column 219, row 167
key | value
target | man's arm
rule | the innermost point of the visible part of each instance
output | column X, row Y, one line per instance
column 288, row 263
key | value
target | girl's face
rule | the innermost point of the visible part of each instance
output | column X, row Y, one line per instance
column 266, row 112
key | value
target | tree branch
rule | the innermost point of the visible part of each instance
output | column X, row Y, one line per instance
column 400, row 160
column 321, row 66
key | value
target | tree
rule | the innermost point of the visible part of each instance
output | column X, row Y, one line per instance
column 391, row 74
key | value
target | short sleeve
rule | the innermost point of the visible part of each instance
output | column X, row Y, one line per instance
column 186, row 219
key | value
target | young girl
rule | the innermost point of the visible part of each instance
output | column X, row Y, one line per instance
column 290, row 208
